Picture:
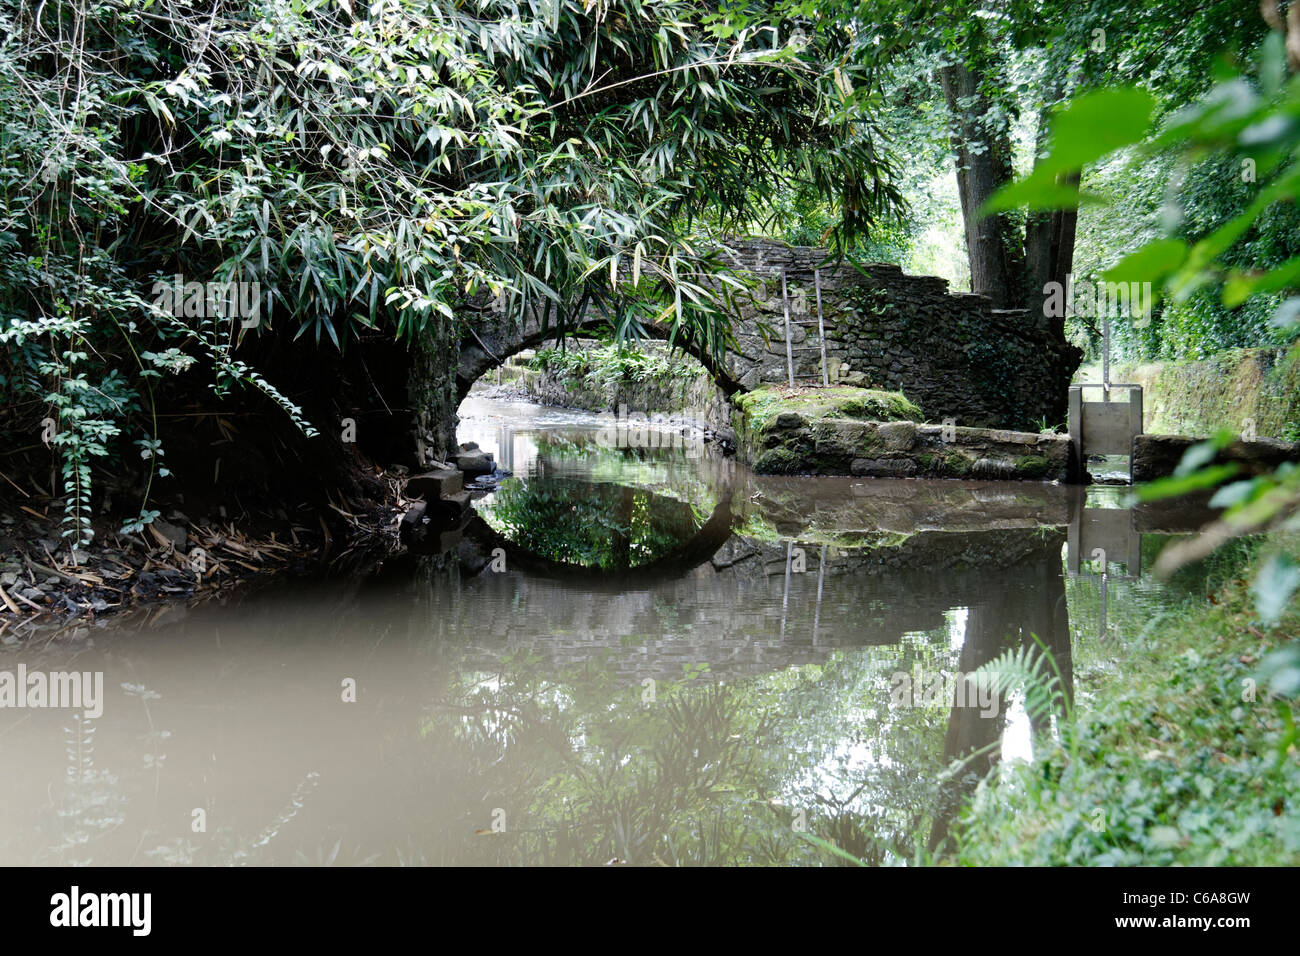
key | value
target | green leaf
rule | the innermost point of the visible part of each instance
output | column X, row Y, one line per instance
column 1174, row 486
column 1096, row 124
column 1038, row 192
column 1089, row 127
column 1280, row 671
column 1165, row 836
column 1234, row 494
column 1272, row 62
column 1151, row 263
column 1202, row 453
column 1240, row 287
column 1287, row 314
column 1274, row 585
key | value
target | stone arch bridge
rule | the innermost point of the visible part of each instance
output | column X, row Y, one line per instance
column 953, row 354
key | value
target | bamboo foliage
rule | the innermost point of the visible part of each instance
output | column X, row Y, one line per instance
column 372, row 167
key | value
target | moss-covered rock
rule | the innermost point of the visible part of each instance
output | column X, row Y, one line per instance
column 1033, row 466
column 808, row 430
column 855, row 431
column 779, row 461
column 763, row 407
column 897, row 436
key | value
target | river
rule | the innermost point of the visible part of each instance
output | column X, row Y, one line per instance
column 635, row 653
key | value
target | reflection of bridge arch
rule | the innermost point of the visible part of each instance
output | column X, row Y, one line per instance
column 681, row 560
column 735, row 613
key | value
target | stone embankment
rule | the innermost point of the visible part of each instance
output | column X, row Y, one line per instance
column 856, row 431
column 440, row 497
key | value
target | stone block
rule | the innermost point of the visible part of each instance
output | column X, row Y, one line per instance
column 437, row 483
column 475, row 464
column 883, row 467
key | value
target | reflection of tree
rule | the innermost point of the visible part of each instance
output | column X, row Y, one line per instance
column 665, row 471
column 866, row 770
column 587, row 771
column 591, row 525
column 1038, row 622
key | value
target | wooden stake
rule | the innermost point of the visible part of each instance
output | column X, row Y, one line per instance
column 1105, row 360
column 789, row 351
column 821, row 326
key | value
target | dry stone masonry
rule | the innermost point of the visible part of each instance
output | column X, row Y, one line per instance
column 978, row 382
column 953, row 355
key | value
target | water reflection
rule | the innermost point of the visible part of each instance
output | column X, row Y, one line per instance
column 591, row 525
column 675, row 663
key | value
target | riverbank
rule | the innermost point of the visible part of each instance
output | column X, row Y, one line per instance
column 1175, row 754
column 44, row 584
column 1248, row 391
column 650, row 381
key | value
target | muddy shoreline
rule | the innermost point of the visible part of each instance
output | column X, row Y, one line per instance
column 47, row 586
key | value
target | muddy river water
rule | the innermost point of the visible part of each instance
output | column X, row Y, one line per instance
column 635, row 652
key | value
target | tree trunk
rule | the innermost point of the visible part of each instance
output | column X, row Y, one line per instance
column 1049, row 236
column 1009, row 266
column 983, row 160
column 1049, row 258
column 433, row 392
column 1049, row 253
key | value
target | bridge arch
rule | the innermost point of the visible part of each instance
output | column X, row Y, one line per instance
column 953, row 354
column 489, row 344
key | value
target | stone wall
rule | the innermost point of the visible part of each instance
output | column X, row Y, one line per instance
column 870, row 449
column 954, row 355
column 1157, row 456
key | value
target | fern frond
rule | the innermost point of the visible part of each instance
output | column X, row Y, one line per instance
column 1031, row 671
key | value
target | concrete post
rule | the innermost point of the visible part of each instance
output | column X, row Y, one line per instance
column 1078, row 463
column 1134, row 424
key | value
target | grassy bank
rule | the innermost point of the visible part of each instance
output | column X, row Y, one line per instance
column 1168, row 757
column 602, row 366
column 650, row 379
column 1231, row 389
